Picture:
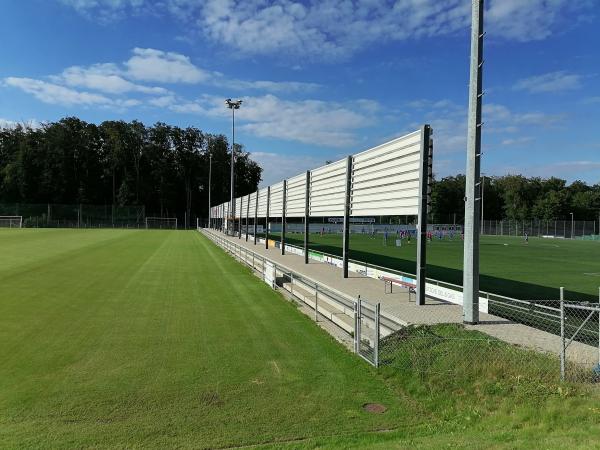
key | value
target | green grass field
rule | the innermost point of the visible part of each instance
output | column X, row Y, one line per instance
column 508, row 266
column 158, row 339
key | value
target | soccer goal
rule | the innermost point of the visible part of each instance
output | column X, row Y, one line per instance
column 11, row 221
column 161, row 223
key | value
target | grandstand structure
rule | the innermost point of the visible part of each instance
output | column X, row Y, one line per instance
column 392, row 179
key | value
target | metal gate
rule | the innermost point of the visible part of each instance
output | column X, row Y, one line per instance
column 580, row 336
column 366, row 337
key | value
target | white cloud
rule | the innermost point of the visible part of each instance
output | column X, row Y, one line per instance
column 517, row 141
column 327, row 29
column 103, row 77
column 529, row 20
column 449, row 123
column 499, row 119
column 550, row 82
column 315, row 122
column 108, row 83
column 31, row 123
column 334, row 29
column 148, row 64
column 55, row 94
column 106, row 10
column 570, row 170
column 278, row 166
column 163, row 101
column 267, row 86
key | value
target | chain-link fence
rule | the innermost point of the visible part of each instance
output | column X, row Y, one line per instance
column 76, row 216
column 580, row 335
column 541, row 340
column 543, row 228
column 452, row 350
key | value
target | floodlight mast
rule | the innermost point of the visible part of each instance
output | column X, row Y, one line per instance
column 233, row 105
column 209, row 183
column 473, row 180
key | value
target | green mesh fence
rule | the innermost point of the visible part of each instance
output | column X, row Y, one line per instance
column 82, row 216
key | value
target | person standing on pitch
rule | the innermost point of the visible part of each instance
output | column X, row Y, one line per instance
column 385, row 237
column 526, row 238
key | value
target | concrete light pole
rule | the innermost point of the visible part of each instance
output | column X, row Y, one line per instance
column 233, row 105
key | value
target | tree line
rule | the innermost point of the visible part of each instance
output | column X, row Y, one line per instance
column 165, row 169
column 162, row 167
column 516, row 197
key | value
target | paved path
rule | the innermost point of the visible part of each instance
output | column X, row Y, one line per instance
column 398, row 306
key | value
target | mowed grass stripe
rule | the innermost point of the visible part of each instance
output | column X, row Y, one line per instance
column 159, row 339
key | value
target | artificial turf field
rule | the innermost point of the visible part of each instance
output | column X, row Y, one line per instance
column 509, row 266
column 158, row 339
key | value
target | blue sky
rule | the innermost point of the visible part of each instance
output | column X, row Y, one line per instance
column 319, row 79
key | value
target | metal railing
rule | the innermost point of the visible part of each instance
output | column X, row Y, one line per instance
column 563, row 330
column 325, row 301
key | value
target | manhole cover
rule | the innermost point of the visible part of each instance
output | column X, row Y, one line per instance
column 375, row 408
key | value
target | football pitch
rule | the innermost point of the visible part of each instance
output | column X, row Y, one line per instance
column 509, row 266
column 158, row 339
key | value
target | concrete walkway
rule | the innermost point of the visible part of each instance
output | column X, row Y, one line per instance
column 399, row 307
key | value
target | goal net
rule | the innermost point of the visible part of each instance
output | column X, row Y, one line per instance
column 11, row 221
column 161, row 223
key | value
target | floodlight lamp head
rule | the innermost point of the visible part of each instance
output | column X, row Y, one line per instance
column 233, row 104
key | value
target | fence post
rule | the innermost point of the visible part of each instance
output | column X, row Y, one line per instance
column 346, row 238
column 358, row 325
column 247, row 215
column 316, row 302
column 562, row 334
column 355, row 326
column 255, row 217
column 284, row 196
column 376, row 343
column 306, row 216
column 241, row 214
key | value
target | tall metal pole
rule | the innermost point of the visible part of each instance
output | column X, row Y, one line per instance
column 424, row 195
column 306, row 216
column 233, row 105
column 209, row 185
column 256, row 216
column 247, row 214
column 472, row 189
column 283, row 217
column 267, row 218
column 232, row 188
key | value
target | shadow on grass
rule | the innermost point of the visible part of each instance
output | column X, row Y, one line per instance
column 487, row 283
